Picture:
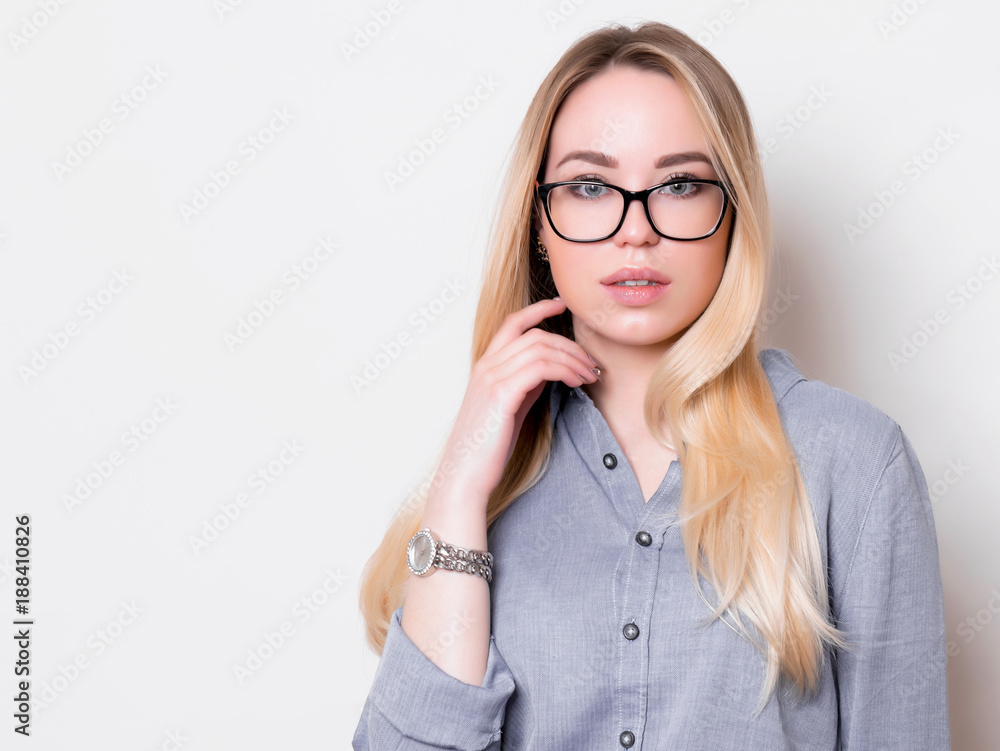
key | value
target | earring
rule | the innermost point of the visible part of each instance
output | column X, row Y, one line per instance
column 543, row 252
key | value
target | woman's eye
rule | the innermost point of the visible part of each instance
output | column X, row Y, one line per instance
column 589, row 190
column 680, row 189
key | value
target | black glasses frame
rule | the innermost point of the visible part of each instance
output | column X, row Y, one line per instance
column 542, row 190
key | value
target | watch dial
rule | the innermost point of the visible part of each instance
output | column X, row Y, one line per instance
column 420, row 552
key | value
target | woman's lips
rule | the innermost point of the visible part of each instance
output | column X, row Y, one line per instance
column 636, row 273
column 638, row 295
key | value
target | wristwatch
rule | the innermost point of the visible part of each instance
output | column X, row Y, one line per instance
column 424, row 553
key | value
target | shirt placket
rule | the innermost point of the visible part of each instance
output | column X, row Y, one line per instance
column 635, row 575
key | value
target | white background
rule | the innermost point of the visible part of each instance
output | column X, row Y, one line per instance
column 895, row 75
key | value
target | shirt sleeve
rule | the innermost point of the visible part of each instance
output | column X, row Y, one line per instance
column 413, row 705
column 892, row 685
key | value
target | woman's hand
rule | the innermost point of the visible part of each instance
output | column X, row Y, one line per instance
column 503, row 385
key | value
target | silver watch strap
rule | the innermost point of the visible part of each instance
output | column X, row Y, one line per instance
column 454, row 558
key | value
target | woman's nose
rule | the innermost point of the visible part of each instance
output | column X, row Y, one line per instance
column 636, row 227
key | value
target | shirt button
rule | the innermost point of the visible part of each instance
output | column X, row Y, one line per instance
column 644, row 538
column 626, row 738
column 610, row 461
column 631, row 631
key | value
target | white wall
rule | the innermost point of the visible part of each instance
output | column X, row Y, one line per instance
column 890, row 90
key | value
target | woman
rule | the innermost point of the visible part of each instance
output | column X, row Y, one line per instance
column 658, row 536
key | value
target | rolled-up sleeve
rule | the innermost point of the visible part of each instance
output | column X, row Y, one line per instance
column 892, row 685
column 414, row 705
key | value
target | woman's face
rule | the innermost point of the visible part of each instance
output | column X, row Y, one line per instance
column 615, row 127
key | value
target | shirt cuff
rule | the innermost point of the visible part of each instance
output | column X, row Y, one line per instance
column 426, row 704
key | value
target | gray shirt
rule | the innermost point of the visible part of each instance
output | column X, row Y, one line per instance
column 596, row 638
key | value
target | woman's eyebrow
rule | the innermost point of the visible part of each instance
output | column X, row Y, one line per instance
column 607, row 160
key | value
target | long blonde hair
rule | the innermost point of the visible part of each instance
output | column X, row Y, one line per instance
column 745, row 519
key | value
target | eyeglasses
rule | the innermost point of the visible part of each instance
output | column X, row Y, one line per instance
column 589, row 211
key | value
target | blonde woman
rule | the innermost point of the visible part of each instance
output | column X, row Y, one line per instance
column 643, row 532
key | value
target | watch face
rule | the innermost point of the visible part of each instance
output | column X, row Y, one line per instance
column 419, row 553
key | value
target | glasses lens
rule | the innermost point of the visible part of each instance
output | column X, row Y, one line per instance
column 686, row 210
column 585, row 211
column 590, row 211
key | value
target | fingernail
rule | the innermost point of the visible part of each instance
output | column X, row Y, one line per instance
column 557, row 298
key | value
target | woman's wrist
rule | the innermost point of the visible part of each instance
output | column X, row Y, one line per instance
column 457, row 516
